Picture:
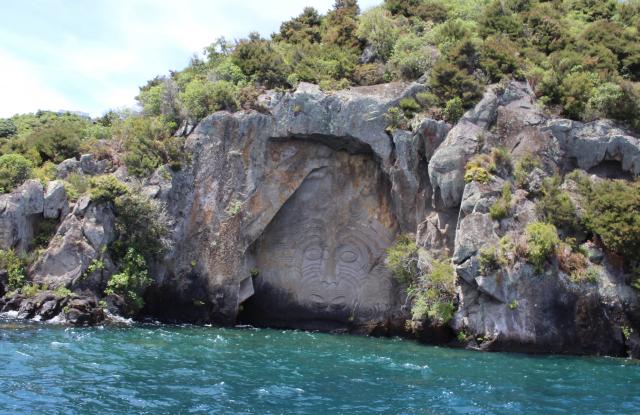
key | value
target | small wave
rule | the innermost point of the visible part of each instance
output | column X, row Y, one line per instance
column 279, row 391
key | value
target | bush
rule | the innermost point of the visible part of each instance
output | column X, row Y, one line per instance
column 396, row 119
column 260, row 61
column 556, row 207
column 148, row 143
column 304, row 28
column 574, row 264
column 434, row 293
column 478, row 169
column 613, row 213
column 142, row 224
column 453, row 110
column 542, row 239
column 449, row 82
column 501, row 207
column 412, row 57
column 107, row 188
column 14, row 266
column 7, row 128
column 402, row 259
column 524, row 167
column 14, row 170
column 377, row 28
column 76, row 185
column 131, row 282
column 409, row 106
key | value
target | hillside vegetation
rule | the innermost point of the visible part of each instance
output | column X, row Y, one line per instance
column 582, row 58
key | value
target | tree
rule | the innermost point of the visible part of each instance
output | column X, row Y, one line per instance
column 341, row 24
column 379, row 31
column 7, row 128
column 260, row 61
column 412, row 57
column 14, row 169
column 304, row 28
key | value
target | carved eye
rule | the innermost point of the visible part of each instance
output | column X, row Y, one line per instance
column 313, row 253
column 348, row 256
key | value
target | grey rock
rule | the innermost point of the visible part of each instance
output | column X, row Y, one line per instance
column 78, row 241
column 19, row 213
column 55, row 200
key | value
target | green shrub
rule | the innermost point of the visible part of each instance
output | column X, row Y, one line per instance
column 542, row 239
column 260, row 61
column 556, row 207
column 14, row 266
column 524, row 167
column 7, row 128
column 377, row 28
column 493, row 257
column 148, row 143
column 501, row 207
column 402, row 259
column 131, row 282
column 434, row 293
column 141, row 223
column 14, row 170
column 62, row 292
column 412, row 57
column 613, row 213
column 303, row 28
column 453, row 110
column 409, row 106
column 76, row 185
column 396, row 119
column 107, row 188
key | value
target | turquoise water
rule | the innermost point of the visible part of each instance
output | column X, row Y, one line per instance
column 200, row 370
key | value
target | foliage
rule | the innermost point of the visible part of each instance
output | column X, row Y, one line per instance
column 478, row 169
column 14, row 170
column 409, row 106
column 402, row 259
column 613, row 213
column 412, row 57
column 234, row 207
column 453, row 110
column 76, row 185
column 380, row 32
column 304, row 28
column 434, row 293
column 396, row 119
column 501, row 207
column 131, row 282
column 524, row 167
column 148, row 144
column 556, row 207
column 260, row 61
column 141, row 223
column 542, row 239
column 107, row 188
column 62, row 292
column 14, row 265
column 7, row 127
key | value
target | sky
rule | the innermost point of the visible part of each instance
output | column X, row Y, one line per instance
column 91, row 56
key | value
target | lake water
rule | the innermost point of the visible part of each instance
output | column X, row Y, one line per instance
column 204, row 370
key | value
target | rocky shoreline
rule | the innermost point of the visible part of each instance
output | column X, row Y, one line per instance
column 283, row 218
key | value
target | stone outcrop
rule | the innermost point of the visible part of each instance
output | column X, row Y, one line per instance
column 283, row 218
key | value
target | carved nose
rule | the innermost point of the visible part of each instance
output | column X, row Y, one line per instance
column 329, row 268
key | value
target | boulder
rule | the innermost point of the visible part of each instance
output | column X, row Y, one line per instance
column 55, row 200
column 19, row 213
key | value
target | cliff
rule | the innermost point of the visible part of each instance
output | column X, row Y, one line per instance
column 284, row 217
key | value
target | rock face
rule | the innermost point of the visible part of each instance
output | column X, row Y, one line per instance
column 306, row 200
column 283, row 219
